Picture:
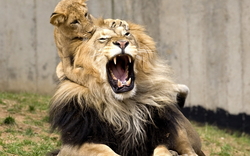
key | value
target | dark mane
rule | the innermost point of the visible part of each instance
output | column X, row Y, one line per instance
column 78, row 126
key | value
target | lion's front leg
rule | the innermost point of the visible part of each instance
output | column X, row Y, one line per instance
column 162, row 150
column 87, row 149
column 183, row 145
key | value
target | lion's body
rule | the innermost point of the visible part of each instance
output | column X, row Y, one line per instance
column 131, row 123
column 136, row 137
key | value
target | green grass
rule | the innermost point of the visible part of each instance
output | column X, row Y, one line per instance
column 217, row 142
column 24, row 127
column 9, row 120
column 24, row 130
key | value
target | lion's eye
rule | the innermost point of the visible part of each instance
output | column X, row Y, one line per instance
column 102, row 39
column 86, row 14
column 75, row 22
column 127, row 34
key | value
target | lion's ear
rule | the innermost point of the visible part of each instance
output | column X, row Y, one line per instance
column 57, row 18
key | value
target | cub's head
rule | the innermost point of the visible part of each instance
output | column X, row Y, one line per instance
column 109, row 59
column 72, row 20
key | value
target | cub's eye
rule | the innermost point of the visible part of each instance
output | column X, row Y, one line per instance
column 127, row 34
column 86, row 14
column 75, row 22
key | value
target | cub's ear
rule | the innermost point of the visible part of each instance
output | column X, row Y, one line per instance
column 57, row 18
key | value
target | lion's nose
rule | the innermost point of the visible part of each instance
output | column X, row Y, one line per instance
column 122, row 44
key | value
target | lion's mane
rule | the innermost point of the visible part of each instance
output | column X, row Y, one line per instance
column 91, row 113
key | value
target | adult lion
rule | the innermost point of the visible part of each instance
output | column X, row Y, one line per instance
column 125, row 104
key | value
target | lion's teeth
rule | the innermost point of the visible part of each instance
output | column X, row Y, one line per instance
column 128, row 82
column 119, row 83
column 112, row 74
column 114, row 60
column 129, row 58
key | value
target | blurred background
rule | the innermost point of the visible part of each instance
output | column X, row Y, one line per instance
column 206, row 42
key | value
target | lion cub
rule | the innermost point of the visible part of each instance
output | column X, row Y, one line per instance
column 73, row 26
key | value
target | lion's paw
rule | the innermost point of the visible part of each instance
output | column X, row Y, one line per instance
column 174, row 153
column 107, row 154
column 161, row 150
column 193, row 154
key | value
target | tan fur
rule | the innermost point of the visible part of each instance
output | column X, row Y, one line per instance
column 161, row 150
column 73, row 26
column 87, row 149
column 72, row 22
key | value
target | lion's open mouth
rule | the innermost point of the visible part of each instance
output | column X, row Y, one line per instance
column 120, row 73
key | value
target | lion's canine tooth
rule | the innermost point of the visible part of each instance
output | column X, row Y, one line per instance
column 128, row 82
column 129, row 58
column 119, row 83
column 114, row 60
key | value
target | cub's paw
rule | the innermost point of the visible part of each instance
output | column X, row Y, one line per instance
column 116, row 23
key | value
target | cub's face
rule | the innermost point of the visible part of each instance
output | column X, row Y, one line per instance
column 72, row 19
column 113, row 55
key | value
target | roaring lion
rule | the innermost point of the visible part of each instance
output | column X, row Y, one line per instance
column 124, row 103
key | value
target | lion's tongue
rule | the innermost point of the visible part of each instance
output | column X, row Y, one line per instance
column 119, row 72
